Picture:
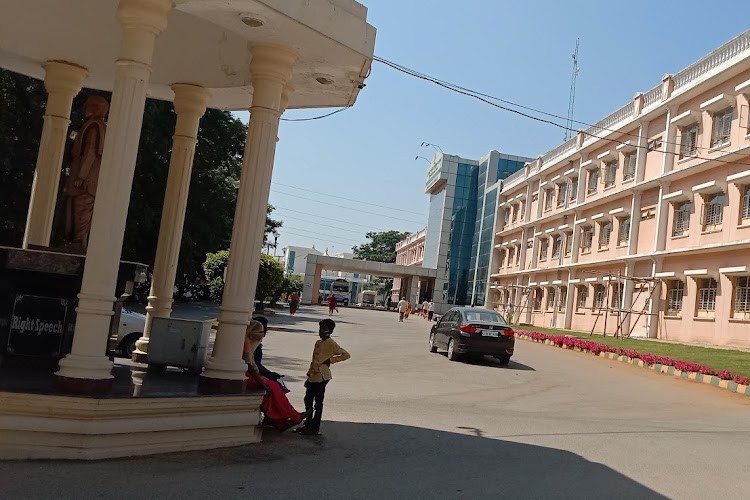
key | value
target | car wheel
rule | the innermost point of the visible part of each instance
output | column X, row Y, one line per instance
column 127, row 346
column 503, row 360
column 452, row 354
column 433, row 348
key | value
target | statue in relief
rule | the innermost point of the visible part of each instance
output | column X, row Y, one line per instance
column 86, row 158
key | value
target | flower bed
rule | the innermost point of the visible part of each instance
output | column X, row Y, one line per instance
column 569, row 342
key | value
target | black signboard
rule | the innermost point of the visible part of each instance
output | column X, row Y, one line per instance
column 37, row 326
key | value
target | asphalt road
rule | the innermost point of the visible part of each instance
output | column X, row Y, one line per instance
column 400, row 422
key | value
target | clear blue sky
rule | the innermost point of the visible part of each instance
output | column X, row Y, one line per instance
column 520, row 51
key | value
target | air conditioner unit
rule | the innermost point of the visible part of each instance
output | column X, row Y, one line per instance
column 178, row 342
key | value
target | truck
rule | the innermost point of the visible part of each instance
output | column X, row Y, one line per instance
column 368, row 298
column 341, row 289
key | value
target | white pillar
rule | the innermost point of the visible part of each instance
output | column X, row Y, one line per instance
column 569, row 300
column 62, row 81
column 87, row 368
column 189, row 105
column 271, row 69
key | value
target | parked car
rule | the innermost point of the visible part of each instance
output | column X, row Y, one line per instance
column 473, row 331
column 130, row 330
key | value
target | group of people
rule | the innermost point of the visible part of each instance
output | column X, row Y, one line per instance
column 404, row 308
column 278, row 411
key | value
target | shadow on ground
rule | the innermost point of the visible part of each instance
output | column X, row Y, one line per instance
column 351, row 460
column 490, row 361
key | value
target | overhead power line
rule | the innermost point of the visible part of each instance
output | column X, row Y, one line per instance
column 349, row 199
column 486, row 99
column 348, row 208
column 315, row 117
column 369, row 227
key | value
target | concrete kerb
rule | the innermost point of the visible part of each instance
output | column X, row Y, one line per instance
column 712, row 380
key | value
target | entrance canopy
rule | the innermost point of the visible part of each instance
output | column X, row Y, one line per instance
column 205, row 44
column 317, row 263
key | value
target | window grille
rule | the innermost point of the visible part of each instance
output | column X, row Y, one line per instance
column 593, row 184
column 689, row 141
column 742, row 296
column 537, row 299
column 587, row 238
column 654, row 144
column 573, row 188
column 721, row 128
column 675, row 292
column 624, row 231
column 598, row 296
column 568, row 243
column 515, row 213
column 713, row 211
column 549, row 197
column 543, row 245
column 610, row 174
column 605, row 233
column 681, row 222
column 746, row 203
column 563, row 298
column 550, row 299
column 583, row 295
column 707, row 295
column 556, row 246
column 562, row 193
column 628, row 170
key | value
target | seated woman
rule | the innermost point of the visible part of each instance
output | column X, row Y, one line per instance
column 278, row 411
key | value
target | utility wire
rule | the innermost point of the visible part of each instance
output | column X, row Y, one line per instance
column 349, row 199
column 368, row 226
column 479, row 96
column 321, row 224
column 315, row 233
column 314, row 117
column 346, row 245
column 348, row 208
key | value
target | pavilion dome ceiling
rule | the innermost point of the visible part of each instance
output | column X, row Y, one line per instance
column 205, row 43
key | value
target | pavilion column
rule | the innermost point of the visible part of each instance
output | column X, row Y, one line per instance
column 190, row 105
column 271, row 68
column 86, row 368
column 63, row 81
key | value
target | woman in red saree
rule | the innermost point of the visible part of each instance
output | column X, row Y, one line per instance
column 277, row 409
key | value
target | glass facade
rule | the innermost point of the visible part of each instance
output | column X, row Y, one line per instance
column 485, row 247
column 463, row 226
column 434, row 229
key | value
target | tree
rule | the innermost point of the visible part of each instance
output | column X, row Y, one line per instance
column 213, row 187
column 272, row 225
column 270, row 277
column 290, row 283
column 213, row 268
column 382, row 247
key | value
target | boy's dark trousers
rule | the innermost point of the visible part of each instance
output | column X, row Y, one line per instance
column 315, row 392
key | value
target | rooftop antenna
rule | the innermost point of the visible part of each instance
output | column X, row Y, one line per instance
column 572, row 97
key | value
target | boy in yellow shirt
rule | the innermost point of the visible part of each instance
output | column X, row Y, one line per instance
column 325, row 353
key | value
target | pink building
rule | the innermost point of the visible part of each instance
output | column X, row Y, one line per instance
column 409, row 252
column 642, row 221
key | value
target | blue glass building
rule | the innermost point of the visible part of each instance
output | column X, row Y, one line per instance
column 461, row 223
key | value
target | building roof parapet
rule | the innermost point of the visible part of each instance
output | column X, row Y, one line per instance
column 738, row 47
column 733, row 48
column 411, row 238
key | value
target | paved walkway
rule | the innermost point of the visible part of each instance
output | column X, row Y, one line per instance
column 403, row 423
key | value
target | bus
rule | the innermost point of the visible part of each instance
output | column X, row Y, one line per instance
column 341, row 289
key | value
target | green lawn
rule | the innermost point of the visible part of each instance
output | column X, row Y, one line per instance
column 738, row 362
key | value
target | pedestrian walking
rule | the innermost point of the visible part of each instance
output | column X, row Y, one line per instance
column 425, row 305
column 401, row 307
column 325, row 353
column 331, row 304
column 430, row 310
column 388, row 303
column 293, row 300
column 408, row 310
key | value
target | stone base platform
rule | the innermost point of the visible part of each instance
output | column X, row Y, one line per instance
column 42, row 426
column 145, row 413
